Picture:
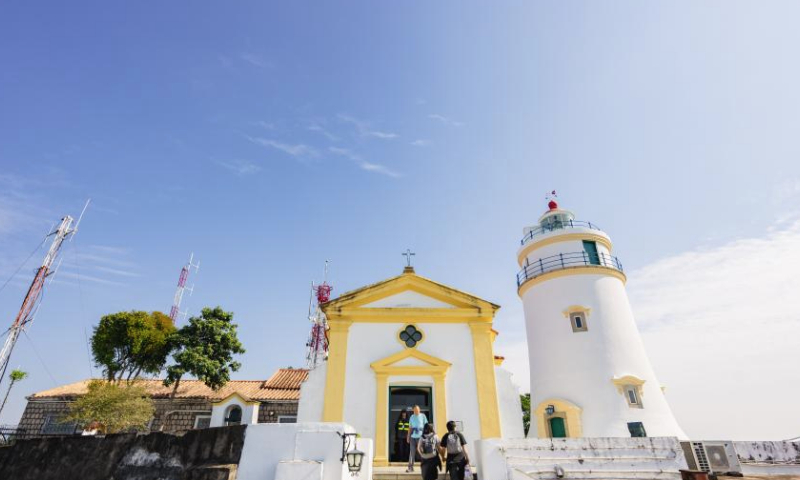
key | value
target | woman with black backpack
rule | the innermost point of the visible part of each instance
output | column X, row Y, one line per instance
column 428, row 450
column 455, row 446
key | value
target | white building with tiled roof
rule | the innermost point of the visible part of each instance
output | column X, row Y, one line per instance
column 194, row 405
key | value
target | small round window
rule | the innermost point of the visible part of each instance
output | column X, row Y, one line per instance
column 410, row 336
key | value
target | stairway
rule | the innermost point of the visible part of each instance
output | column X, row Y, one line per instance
column 399, row 473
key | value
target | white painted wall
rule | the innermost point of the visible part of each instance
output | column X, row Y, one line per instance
column 266, row 445
column 369, row 342
column 218, row 412
column 579, row 367
column 596, row 458
column 511, row 424
column 312, row 394
column 408, row 299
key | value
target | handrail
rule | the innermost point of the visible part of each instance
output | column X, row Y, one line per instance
column 561, row 261
column 558, row 225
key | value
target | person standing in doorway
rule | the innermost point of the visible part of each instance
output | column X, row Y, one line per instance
column 401, row 436
column 416, row 423
column 455, row 446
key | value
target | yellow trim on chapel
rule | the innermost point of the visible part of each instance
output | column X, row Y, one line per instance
column 567, row 237
column 435, row 368
column 349, row 308
column 333, row 408
column 580, row 270
column 485, row 380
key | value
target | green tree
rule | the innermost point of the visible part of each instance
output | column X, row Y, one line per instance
column 204, row 348
column 525, row 401
column 115, row 407
column 126, row 344
column 15, row 376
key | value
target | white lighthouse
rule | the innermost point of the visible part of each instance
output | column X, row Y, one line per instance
column 590, row 375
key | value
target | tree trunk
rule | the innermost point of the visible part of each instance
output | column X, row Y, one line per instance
column 6, row 397
column 175, row 388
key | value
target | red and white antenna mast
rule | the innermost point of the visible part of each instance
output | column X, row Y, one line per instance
column 317, row 344
column 175, row 311
column 30, row 304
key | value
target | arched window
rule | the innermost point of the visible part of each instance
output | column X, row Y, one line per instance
column 233, row 415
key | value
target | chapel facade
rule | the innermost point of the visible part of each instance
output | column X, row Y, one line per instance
column 406, row 341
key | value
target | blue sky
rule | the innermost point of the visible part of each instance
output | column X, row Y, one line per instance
column 267, row 138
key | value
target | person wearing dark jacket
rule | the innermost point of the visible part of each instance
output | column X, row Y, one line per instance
column 400, row 434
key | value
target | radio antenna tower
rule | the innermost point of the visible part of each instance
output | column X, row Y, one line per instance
column 30, row 305
column 317, row 344
column 175, row 311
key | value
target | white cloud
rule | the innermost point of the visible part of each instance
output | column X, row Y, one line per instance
column 363, row 164
column 420, row 143
column 364, row 129
column 315, row 127
column 298, row 150
column 240, row 167
column 721, row 326
column 254, row 59
column 445, row 120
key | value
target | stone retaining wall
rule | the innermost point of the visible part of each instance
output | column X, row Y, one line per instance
column 207, row 454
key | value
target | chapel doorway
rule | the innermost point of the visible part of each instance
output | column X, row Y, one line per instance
column 404, row 399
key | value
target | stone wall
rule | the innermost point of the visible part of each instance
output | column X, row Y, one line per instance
column 597, row 458
column 207, row 454
column 268, row 412
column 178, row 415
column 171, row 416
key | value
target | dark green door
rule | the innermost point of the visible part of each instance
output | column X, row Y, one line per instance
column 557, row 428
column 591, row 252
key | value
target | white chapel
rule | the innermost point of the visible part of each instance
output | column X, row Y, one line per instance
column 411, row 341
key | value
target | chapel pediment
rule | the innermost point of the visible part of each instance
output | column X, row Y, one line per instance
column 409, row 291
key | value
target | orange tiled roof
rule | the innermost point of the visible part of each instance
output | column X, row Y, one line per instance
column 287, row 379
column 284, row 385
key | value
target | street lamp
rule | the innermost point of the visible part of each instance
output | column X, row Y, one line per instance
column 355, row 456
column 550, row 410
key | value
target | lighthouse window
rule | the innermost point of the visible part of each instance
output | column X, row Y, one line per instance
column 578, row 320
column 632, row 396
column 636, row 429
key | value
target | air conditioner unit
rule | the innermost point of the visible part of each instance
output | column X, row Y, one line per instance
column 711, row 456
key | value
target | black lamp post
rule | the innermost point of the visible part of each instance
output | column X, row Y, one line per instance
column 355, row 456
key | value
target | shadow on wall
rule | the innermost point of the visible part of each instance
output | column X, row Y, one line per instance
column 207, row 454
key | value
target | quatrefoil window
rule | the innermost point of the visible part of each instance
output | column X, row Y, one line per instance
column 410, row 336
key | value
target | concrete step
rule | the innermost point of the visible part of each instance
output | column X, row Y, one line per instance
column 399, row 473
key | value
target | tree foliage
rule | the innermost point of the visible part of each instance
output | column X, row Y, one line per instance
column 126, row 344
column 205, row 348
column 15, row 376
column 525, row 400
column 116, row 407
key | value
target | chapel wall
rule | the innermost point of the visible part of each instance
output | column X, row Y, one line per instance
column 370, row 342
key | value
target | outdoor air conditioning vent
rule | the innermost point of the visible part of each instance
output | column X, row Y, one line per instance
column 717, row 458
column 714, row 457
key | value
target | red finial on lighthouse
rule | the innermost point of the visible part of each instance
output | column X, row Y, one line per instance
column 552, row 203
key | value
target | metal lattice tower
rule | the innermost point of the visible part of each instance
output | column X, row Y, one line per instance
column 317, row 344
column 30, row 304
column 175, row 311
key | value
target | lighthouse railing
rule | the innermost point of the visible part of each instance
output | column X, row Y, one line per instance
column 562, row 261
column 556, row 225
